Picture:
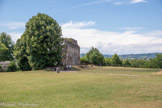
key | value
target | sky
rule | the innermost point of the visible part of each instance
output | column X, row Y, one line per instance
column 112, row 26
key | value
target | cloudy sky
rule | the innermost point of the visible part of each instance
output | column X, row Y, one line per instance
column 112, row 26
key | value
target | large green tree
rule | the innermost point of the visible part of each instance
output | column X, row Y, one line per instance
column 6, row 40
column 116, row 60
column 95, row 57
column 43, row 42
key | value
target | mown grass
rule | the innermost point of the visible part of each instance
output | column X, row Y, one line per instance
column 88, row 88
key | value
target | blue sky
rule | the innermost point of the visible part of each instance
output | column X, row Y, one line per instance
column 113, row 26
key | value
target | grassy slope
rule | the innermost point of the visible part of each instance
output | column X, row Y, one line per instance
column 84, row 88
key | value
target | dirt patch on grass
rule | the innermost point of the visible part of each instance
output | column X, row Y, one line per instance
column 158, row 73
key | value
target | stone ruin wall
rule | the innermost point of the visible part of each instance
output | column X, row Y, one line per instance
column 71, row 52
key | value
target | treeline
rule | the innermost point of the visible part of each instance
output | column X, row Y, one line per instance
column 131, row 56
column 139, row 56
column 96, row 58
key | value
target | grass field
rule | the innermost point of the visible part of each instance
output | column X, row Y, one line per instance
column 97, row 87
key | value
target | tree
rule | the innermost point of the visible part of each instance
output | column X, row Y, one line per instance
column 3, row 51
column 159, row 60
column 6, row 40
column 108, row 61
column 21, row 55
column 134, row 63
column 42, row 42
column 148, row 64
column 126, row 63
column 116, row 60
column 95, row 57
column 1, row 68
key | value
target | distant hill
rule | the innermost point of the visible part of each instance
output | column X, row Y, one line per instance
column 138, row 56
column 81, row 55
column 132, row 56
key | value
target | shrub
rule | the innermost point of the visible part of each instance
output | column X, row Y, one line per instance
column 84, row 60
column 1, row 68
column 93, row 57
column 12, row 67
column 115, row 61
column 108, row 61
column 24, row 64
column 126, row 63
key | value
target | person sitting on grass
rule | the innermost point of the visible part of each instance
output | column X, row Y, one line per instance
column 69, row 67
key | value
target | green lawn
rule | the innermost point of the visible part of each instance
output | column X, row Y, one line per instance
column 98, row 87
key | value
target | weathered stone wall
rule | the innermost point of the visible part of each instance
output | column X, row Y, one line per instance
column 71, row 52
column 5, row 64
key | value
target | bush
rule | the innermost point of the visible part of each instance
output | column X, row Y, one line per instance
column 126, row 63
column 12, row 67
column 159, row 60
column 107, row 61
column 93, row 57
column 24, row 64
column 115, row 61
column 1, row 68
column 84, row 60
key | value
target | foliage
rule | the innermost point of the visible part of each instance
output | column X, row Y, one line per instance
column 94, row 57
column 126, row 63
column 12, row 67
column 24, row 64
column 159, row 60
column 21, row 54
column 1, row 68
column 84, row 60
column 115, row 61
column 139, row 56
column 137, row 63
column 41, row 42
column 145, row 63
column 3, row 51
column 68, row 39
column 108, row 61
column 5, row 39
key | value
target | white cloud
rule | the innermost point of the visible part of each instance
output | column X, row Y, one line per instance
column 13, row 25
column 92, row 3
column 129, row 2
column 15, row 35
column 77, row 24
column 136, row 1
column 113, row 42
column 116, row 2
column 119, row 3
column 128, row 41
column 132, row 28
column 157, row 33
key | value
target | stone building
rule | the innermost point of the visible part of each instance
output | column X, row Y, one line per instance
column 71, row 52
column 5, row 64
